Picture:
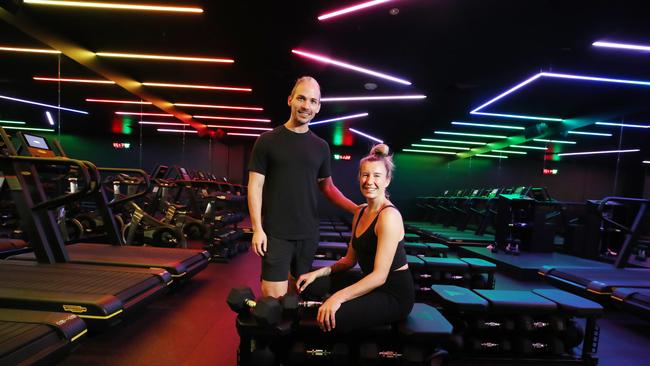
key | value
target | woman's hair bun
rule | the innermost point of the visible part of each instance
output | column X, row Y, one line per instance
column 379, row 150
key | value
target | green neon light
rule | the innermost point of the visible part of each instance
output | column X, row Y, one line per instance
column 456, row 141
column 337, row 138
column 429, row 151
column 511, row 152
column 556, row 141
column 507, row 127
column 441, row 147
column 590, row 133
column 470, row 134
column 12, row 122
column 126, row 125
column 492, row 156
column 529, row 147
column 28, row 128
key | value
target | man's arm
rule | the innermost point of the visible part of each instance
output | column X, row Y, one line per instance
column 335, row 196
column 255, row 188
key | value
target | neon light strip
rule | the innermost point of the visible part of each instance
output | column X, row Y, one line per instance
column 507, row 92
column 192, row 86
column 42, row 104
column 470, row 134
column 359, row 115
column 163, row 123
column 441, row 147
column 384, row 97
column 177, row 131
column 69, row 80
column 623, row 46
column 622, row 125
column 366, row 136
column 344, row 65
column 598, row 152
column 49, row 118
column 492, row 156
column 12, row 122
column 488, row 125
column 145, row 114
column 555, row 141
column 28, row 128
column 429, row 151
column 529, row 147
column 164, row 57
column 121, row 6
column 218, row 106
column 590, row 133
column 241, row 127
column 243, row 134
column 455, row 141
column 30, row 50
column 518, row 116
column 118, row 101
column 234, row 118
column 351, row 9
column 511, row 152
column 646, row 162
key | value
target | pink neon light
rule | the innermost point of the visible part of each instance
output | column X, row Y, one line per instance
column 89, row 81
column 241, row 127
column 145, row 114
column 243, row 134
column 234, row 118
column 351, row 9
column 218, row 106
column 162, row 123
column 194, row 86
column 118, row 101
column 344, row 65
column 176, row 131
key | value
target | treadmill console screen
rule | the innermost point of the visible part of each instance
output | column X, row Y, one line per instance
column 36, row 141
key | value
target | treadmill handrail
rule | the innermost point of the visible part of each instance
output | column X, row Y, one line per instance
column 604, row 201
column 140, row 172
column 63, row 199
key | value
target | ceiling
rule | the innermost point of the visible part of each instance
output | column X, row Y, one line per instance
column 458, row 53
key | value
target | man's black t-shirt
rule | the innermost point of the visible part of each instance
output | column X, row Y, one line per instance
column 291, row 163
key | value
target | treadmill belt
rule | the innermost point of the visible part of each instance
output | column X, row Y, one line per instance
column 628, row 277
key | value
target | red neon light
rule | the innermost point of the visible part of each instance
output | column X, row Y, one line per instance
column 243, row 134
column 234, row 118
column 351, row 9
column 194, row 86
column 218, row 106
column 241, row 127
column 145, row 114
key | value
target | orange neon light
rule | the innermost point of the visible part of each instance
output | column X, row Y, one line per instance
column 144, row 114
column 218, row 106
column 30, row 50
column 235, row 118
column 120, row 6
column 194, row 86
column 165, row 57
column 118, row 101
column 69, row 80
column 241, row 127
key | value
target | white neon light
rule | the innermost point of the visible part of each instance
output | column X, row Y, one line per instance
column 359, row 115
column 367, row 136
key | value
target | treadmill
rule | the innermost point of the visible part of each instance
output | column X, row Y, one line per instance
column 619, row 282
column 29, row 337
column 181, row 263
column 101, row 296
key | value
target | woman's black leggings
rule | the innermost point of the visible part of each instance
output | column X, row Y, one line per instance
column 386, row 304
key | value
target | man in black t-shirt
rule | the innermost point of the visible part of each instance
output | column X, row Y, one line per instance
column 287, row 166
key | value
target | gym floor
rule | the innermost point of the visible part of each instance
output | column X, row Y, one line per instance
column 194, row 326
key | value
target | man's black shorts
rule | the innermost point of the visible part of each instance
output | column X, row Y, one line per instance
column 287, row 256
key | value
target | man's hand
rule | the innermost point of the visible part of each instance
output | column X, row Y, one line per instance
column 259, row 242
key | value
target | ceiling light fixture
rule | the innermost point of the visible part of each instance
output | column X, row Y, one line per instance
column 518, row 116
column 441, row 147
column 529, row 147
column 164, row 57
column 342, row 118
column 429, row 151
column 12, row 122
column 49, row 118
column 598, row 152
column 590, row 133
column 69, row 80
column 28, row 128
column 367, row 136
column 117, row 6
column 241, row 127
column 234, row 118
column 243, row 134
column 455, row 141
column 492, row 156
column 344, row 65
column 510, row 152
column 176, row 131
column 145, row 114
column 622, row 125
column 29, row 50
column 470, row 134
column 117, row 101
column 372, row 98
column 193, row 86
column 555, row 141
column 163, row 123
column 351, row 9
column 41, row 104
column 623, row 46
column 216, row 106
column 488, row 125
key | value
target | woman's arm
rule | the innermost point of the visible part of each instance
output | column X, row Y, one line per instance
column 389, row 230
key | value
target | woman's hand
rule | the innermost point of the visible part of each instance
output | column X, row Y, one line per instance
column 327, row 313
column 305, row 280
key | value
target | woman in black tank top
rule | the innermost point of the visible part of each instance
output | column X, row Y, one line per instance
column 385, row 292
